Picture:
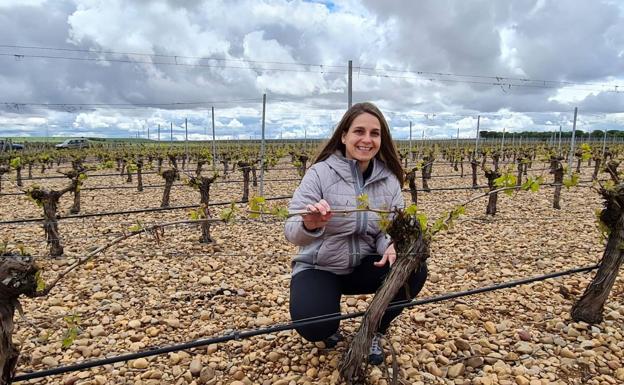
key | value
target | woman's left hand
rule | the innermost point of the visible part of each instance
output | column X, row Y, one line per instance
column 389, row 256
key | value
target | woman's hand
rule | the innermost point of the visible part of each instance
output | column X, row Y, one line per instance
column 318, row 215
column 388, row 256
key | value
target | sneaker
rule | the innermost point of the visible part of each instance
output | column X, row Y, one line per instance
column 375, row 354
column 333, row 340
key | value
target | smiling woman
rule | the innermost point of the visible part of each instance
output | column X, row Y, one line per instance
column 362, row 140
column 346, row 254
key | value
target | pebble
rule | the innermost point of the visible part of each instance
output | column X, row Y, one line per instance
column 273, row 356
column 567, row 353
column 49, row 361
column 220, row 309
column 433, row 369
column 490, row 327
column 208, row 373
column 195, row 367
column 140, row 363
column 456, row 370
column 524, row 335
column 263, row 321
column 474, row 362
column 134, row 324
column 524, row 347
column 173, row 322
column 97, row 331
column 462, row 344
column 71, row 380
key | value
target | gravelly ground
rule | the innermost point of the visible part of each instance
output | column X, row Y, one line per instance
column 142, row 294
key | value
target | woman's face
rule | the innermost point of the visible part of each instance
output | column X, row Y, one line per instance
column 363, row 139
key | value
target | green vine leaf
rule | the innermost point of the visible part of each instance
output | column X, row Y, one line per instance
column 22, row 249
column 411, row 210
column 73, row 329
column 257, row 203
column 422, row 220
column 438, row 226
column 196, row 214
column 136, row 228
column 586, row 151
column 571, row 181
column 362, row 202
column 609, row 185
column 227, row 215
column 280, row 212
column 108, row 164
column 82, row 177
column 532, row 184
column 384, row 222
column 16, row 162
column 41, row 285
column 507, row 180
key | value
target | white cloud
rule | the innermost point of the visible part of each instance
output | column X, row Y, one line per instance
column 519, row 39
column 21, row 3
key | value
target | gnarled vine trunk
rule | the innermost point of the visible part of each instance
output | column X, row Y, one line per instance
column 520, row 167
column 556, row 168
column 128, row 174
column 303, row 164
column 590, row 306
column 139, row 165
column 225, row 162
column 597, row 161
column 17, row 277
column 411, row 181
column 3, row 170
column 426, row 173
column 461, row 167
column 244, row 166
column 200, row 164
column 159, row 163
column 491, row 175
column 412, row 249
column 18, row 176
column 49, row 200
column 495, row 160
column 254, row 175
column 203, row 184
column 473, row 165
column 169, row 176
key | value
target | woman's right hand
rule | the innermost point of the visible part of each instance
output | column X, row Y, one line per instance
column 318, row 215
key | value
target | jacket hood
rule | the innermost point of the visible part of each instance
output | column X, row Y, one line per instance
column 348, row 168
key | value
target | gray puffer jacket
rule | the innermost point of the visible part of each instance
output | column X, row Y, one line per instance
column 346, row 239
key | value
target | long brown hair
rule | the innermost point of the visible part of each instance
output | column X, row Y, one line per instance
column 387, row 152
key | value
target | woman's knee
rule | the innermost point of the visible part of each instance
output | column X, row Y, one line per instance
column 318, row 332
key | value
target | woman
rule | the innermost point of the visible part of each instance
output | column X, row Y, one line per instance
column 346, row 254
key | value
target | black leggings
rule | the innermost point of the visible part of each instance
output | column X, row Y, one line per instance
column 315, row 293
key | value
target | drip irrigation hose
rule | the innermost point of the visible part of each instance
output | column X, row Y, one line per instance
column 237, row 335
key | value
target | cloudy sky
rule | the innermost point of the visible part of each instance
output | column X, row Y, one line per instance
column 121, row 68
